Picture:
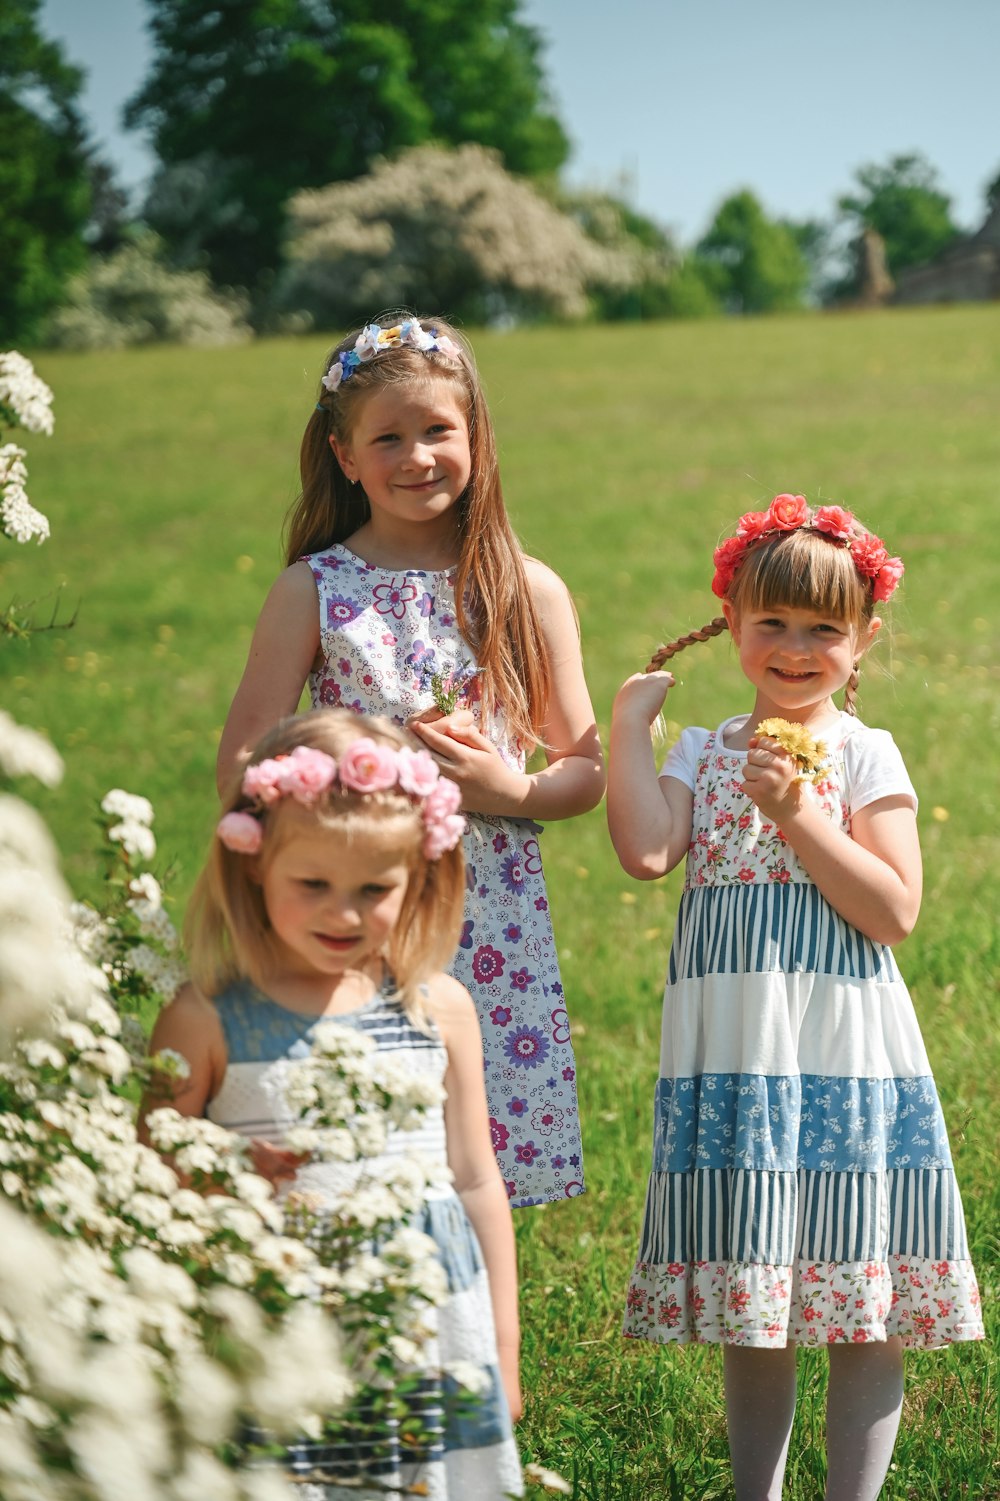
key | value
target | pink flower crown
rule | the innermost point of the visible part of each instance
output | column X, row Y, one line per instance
column 787, row 513
column 365, row 766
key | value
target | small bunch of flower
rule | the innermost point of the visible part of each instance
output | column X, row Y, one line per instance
column 365, row 766
column 374, row 340
column 808, row 753
column 448, row 688
column 25, row 401
column 787, row 513
column 24, row 752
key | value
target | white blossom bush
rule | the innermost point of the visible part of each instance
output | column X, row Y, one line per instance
column 25, row 401
column 446, row 230
column 131, row 297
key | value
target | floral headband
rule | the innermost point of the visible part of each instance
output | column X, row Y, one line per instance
column 373, row 340
column 365, row 766
column 787, row 513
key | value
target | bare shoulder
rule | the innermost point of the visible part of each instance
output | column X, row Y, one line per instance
column 450, row 1005
column 189, row 1013
column 295, row 586
column 547, row 588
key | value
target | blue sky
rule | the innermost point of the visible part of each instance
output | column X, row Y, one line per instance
column 681, row 102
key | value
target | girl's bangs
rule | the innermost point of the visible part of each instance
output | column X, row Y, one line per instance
column 802, row 571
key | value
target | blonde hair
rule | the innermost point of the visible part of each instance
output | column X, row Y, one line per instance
column 494, row 606
column 227, row 931
column 800, row 570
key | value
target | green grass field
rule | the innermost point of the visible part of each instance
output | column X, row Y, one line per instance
column 626, row 452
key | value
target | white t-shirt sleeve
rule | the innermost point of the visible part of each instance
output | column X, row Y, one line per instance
column 874, row 768
column 682, row 758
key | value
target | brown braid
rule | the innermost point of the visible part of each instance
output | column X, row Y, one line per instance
column 664, row 653
column 850, row 692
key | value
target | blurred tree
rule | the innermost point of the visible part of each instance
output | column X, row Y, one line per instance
column 993, row 193
column 44, row 188
column 902, row 202
column 290, row 94
column 753, row 263
column 443, row 230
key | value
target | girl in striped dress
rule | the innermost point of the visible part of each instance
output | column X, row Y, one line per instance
column 802, row 1189
column 334, row 892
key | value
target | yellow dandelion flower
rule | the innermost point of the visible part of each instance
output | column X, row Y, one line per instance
column 808, row 753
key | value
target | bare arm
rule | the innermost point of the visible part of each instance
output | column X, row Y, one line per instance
column 573, row 779
column 189, row 1024
column 649, row 817
column 873, row 876
column 477, row 1174
column 284, row 646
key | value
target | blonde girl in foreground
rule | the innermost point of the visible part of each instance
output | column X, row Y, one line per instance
column 407, row 594
column 334, row 891
column 802, row 1189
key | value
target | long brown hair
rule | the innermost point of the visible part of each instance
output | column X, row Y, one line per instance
column 227, row 931
column 800, row 570
column 495, row 611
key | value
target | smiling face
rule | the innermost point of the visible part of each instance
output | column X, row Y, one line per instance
column 795, row 658
column 409, row 450
column 332, row 899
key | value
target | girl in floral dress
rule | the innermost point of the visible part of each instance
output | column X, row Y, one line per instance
column 406, row 594
column 802, row 1189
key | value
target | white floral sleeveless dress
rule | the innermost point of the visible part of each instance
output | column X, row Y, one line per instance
column 468, row 1448
column 383, row 633
column 802, row 1184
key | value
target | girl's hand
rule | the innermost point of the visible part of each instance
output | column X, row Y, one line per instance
column 465, row 754
column 769, row 778
column 276, row 1164
column 643, row 694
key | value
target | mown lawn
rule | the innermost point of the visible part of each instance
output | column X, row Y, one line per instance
column 626, row 452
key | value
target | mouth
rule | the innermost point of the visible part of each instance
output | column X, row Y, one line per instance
column 792, row 677
column 337, row 945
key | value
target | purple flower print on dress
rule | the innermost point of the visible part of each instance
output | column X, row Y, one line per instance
column 541, row 905
column 500, row 1016
column 527, row 1152
column 517, row 1107
column 512, row 874
column 499, row 843
column 344, row 667
column 510, row 1186
column 328, row 693
column 424, row 659
column 392, row 599
column 465, row 942
column 340, row 611
column 521, row 979
column 558, row 1161
column 512, row 933
column 527, row 1047
column 547, row 1119
column 425, row 604
column 569, row 1074
column 487, row 964
column 500, row 1135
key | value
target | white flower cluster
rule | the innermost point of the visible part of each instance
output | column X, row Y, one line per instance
column 24, row 394
column 18, row 518
column 348, row 1096
column 135, row 814
column 24, row 752
column 130, row 1351
column 25, row 401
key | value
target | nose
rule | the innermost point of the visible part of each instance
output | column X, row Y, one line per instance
column 420, row 456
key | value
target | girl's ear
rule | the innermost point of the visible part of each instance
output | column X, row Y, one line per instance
column 342, row 453
column 867, row 636
column 732, row 620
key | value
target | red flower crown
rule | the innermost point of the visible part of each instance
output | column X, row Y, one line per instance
column 787, row 513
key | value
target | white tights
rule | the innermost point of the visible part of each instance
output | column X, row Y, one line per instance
column 863, row 1406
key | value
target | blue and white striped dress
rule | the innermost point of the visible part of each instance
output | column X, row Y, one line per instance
column 470, row 1449
column 802, row 1185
